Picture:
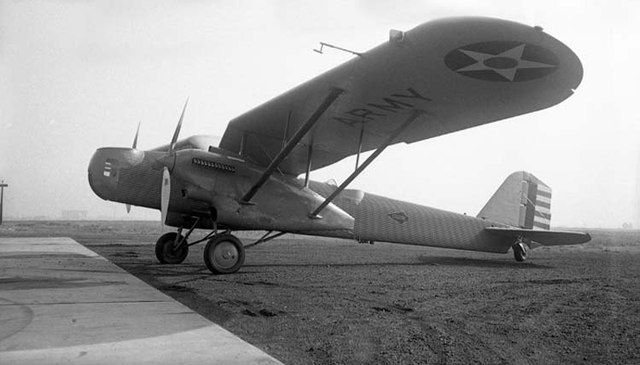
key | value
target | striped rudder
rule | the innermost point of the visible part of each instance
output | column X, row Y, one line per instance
column 521, row 201
column 536, row 205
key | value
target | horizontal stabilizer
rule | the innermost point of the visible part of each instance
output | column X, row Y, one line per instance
column 545, row 238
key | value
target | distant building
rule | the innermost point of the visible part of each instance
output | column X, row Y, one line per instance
column 74, row 215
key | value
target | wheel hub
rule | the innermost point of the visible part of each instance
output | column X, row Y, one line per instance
column 225, row 254
column 166, row 250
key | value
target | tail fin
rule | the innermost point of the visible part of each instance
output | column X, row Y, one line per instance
column 521, row 201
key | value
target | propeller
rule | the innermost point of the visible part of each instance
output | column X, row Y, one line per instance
column 177, row 131
column 135, row 139
column 134, row 146
column 165, row 192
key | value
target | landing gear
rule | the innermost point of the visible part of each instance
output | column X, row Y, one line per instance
column 224, row 254
column 519, row 250
column 171, row 248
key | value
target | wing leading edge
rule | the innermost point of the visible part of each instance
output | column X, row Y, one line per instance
column 457, row 72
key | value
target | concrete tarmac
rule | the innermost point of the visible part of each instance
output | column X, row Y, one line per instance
column 61, row 303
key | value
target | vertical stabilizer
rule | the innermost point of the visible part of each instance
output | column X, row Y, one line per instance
column 521, row 201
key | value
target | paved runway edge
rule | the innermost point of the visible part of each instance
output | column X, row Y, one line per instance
column 62, row 303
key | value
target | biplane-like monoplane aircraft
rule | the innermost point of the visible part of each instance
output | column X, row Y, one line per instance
column 440, row 77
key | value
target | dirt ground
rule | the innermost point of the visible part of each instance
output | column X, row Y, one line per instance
column 306, row 300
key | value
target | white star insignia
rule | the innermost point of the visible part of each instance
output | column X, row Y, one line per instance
column 505, row 64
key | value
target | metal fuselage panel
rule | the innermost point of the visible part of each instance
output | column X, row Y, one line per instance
column 202, row 181
column 382, row 219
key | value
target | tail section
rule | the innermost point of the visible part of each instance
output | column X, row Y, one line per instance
column 538, row 211
column 521, row 201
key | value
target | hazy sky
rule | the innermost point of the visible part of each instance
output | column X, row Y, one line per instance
column 78, row 75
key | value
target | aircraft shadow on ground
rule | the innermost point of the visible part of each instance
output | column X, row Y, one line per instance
column 466, row 261
column 423, row 261
column 200, row 270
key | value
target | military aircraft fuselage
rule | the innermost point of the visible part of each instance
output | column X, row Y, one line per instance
column 438, row 78
column 211, row 184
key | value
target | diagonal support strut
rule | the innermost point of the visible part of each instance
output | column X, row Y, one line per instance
column 291, row 144
column 364, row 165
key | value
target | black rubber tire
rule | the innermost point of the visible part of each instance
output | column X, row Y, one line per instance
column 519, row 252
column 165, row 252
column 224, row 254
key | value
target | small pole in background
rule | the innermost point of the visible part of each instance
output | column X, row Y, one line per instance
column 2, row 186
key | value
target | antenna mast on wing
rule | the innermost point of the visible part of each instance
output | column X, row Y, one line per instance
column 322, row 45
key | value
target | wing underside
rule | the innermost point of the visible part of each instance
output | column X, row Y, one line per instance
column 455, row 73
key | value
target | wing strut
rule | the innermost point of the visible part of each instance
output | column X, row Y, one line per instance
column 364, row 165
column 360, row 145
column 284, row 152
column 308, row 169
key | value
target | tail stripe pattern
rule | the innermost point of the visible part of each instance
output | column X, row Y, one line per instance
column 542, row 216
column 521, row 201
column 530, row 205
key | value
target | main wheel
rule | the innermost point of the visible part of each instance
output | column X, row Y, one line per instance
column 224, row 254
column 519, row 251
column 166, row 252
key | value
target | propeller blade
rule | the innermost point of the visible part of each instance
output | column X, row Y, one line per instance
column 129, row 207
column 165, row 194
column 135, row 139
column 177, row 132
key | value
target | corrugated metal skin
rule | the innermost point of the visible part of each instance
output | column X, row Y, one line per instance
column 137, row 185
column 376, row 218
column 382, row 219
column 140, row 186
column 388, row 220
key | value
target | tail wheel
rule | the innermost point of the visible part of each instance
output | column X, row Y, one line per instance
column 166, row 251
column 519, row 251
column 224, row 254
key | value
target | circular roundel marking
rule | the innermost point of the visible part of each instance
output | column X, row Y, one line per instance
column 502, row 61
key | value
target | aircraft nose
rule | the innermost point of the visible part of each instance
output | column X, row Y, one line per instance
column 105, row 167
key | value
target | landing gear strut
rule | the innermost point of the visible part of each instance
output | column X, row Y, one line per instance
column 519, row 250
column 223, row 254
